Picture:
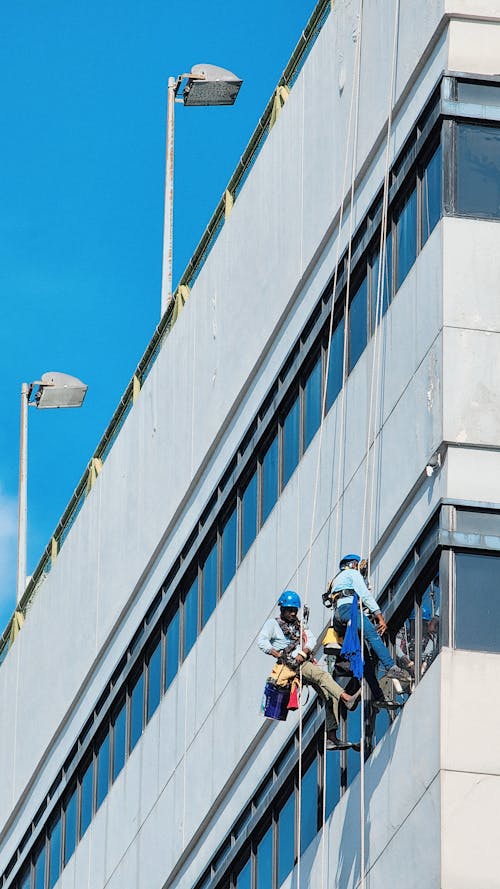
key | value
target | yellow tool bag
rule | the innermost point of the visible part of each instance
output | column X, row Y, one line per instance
column 282, row 676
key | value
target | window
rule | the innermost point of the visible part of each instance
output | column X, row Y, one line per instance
column 25, row 878
column 385, row 283
column 209, row 584
column 312, row 402
column 172, row 640
column 136, row 710
column 430, row 609
column 335, row 364
column 353, row 734
column 286, row 838
column 406, row 239
column 264, row 861
column 478, row 93
column 54, row 851
column 190, row 618
column 357, row 324
column 269, row 478
column 291, row 441
column 86, row 794
column 332, row 786
column 477, row 584
column 431, row 194
column 70, row 826
column 102, row 770
column 244, row 878
column 39, row 868
column 153, row 661
column 229, row 545
column 478, row 170
column 249, row 515
column 309, row 806
column 119, row 725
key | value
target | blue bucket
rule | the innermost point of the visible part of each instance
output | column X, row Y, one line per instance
column 276, row 701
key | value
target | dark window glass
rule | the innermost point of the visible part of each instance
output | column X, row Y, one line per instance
column 385, row 290
column 229, row 543
column 477, row 621
column 309, row 806
column 332, row 788
column 70, row 826
column 478, row 170
column 431, row 194
column 312, row 403
column 25, row 879
column 54, row 852
column 102, row 766
column 136, row 710
column 335, row 365
column 249, row 515
column 40, row 856
column 119, row 725
column 478, row 93
column 244, row 878
column 172, row 640
column 353, row 734
column 382, row 723
column 209, row 597
column 269, row 478
column 264, row 861
column 406, row 237
column 190, row 630
column 358, row 311
column 430, row 608
column 291, row 440
column 286, row 838
column 154, row 679
column 86, row 793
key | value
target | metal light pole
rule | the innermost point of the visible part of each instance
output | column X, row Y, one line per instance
column 54, row 390
column 204, row 85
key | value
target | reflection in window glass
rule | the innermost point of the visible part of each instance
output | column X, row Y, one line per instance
column 249, row 515
column 25, row 879
column 335, row 364
column 172, row 649
column 244, row 878
column 119, row 725
column 430, row 607
column 264, row 861
column 86, row 788
column 269, row 478
column 190, row 618
column 286, row 838
column 154, row 679
column 385, row 284
column 382, row 723
column 102, row 766
column 229, row 549
column 357, row 324
column 353, row 734
column 332, row 787
column 312, row 403
column 291, row 441
column 309, row 806
column 70, row 827
column 136, row 711
column 478, row 170
column 209, row 572
column 478, row 93
column 39, row 881
column 431, row 194
column 54, row 852
column 477, row 621
column 406, row 233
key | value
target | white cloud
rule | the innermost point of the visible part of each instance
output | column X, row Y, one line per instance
column 8, row 556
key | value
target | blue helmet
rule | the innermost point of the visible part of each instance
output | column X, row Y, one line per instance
column 350, row 557
column 289, row 599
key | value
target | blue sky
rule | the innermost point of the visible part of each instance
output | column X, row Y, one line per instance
column 82, row 113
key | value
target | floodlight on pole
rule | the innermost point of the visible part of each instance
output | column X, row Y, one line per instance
column 55, row 390
column 204, row 85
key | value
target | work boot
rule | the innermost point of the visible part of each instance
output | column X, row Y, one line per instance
column 335, row 743
column 396, row 672
column 386, row 704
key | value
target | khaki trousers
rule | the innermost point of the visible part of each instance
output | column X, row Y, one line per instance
column 328, row 690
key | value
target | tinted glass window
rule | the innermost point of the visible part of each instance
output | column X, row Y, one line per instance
column 309, row 806
column 190, row 618
column 172, row 649
column 70, row 827
column 291, row 440
column 385, row 282
column 430, row 608
column 25, row 879
column 229, row 542
column 209, row 570
column 478, row 93
column 332, row 787
column 286, row 838
column 54, row 852
column 264, row 862
column 312, row 403
column 478, row 170
column 154, row 679
column 477, row 621
column 136, row 710
column 244, row 878
column 431, row 194
column 353, row 734
column 86, row 789
column 406, row 237
column 119, row 725
column 335, row 364
column 269, row 478
column 102, row 767
column 358, row 324
column 249, row 515
column 39, row 881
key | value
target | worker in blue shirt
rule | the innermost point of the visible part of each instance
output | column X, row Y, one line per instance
column 349, row 580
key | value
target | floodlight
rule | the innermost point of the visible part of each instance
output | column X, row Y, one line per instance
column 210, row 85
column 59, row 390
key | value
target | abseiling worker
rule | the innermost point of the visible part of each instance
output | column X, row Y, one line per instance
column 348, row 581
column 280, row 637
